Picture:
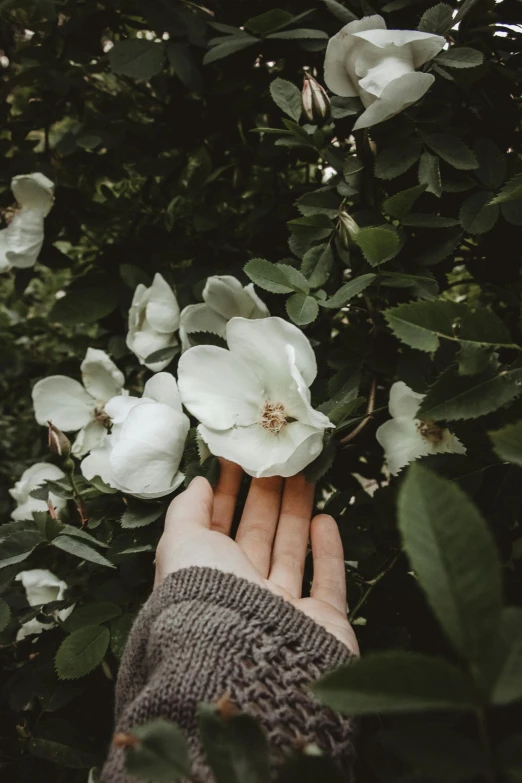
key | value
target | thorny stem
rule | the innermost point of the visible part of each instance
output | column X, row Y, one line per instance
column 369, row 412
column 77, row 497
column 364, row 597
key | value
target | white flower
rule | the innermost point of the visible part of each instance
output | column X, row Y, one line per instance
column 142, row 454
column 223, row 298
column 253, row 400
column 22, row 240
column 30, row 479
column 378, row 65
column 71, row 406
column 405, row 438
column 153, row 320
column 41, row 587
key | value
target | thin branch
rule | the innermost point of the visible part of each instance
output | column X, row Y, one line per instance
column 369, row 412
column 362, row 600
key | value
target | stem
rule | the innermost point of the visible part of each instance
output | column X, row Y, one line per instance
column 369, row 412
column 484, row 739
column 77, row 496
column 364, row 597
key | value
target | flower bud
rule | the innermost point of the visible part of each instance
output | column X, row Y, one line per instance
column 315, row 101
column 59, row 444
column 348, row 228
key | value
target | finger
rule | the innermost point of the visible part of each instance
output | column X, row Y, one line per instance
column 225, row 496
column 291, row 541
column 192, row 508
column 329, row 583
column 255, row 534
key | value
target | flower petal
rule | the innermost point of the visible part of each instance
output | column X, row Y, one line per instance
column 162, row 310
column 262, row 345
column 100, row 376
column 341, row 49
column 63, row 401
column 41, row 586
column 296, row 398
column 402, row 443
column 218, row 388
column 259, row 308
column 146, row 458
column 397, row 96
column 97, row 464
column 227, row 297
column 33, row 191
column 24, row 238
column 118, row 407
column 162, row 387
column 423, row 46
column 89, row 437
column 404, row 402
column 262, row 453
column 199, row 318
column 30, row 479
column 146, row 342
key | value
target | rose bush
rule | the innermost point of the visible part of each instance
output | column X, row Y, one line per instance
column 331, row 274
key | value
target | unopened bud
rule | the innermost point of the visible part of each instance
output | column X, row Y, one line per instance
column 315, row 101
column 348, row 228
column 59, row 444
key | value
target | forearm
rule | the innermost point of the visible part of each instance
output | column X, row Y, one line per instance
column 204, row 634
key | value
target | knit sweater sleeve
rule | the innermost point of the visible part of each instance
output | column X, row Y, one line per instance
column 204, row 634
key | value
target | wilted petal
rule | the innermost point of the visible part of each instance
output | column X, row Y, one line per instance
column 218, row 388
column 33, row 191
column 262, row 345
column 92, row 436
column 63, row 401
column 199, row 318
column 162, row 387
column 146, row 457
column 396, row 97
column 404, row 402
column 262, row 453
column 30, row 479
column 162, row 311
column 100, row 376
column 341, row 49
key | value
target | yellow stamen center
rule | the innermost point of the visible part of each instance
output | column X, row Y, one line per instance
column 273, row 416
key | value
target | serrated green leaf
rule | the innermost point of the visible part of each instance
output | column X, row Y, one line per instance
column 473, row 359
column 397, row 158
column 311, row 228
column 391, row 682
column 267, row 276
column 5, row 614
column 317, row 264
column 453, row 397
column 162, row 755
column 437, row 19
column 510, row 192
column 84, row 306
column 288, row 97
column 141, row 514
column 460, row 57
column 322, row 201
column 491, row 171
column 423, row 286
column 299, row 32
column 339, row 11
column 77, row 532
column 236, row 748
column 421, row 220
column 302, row 309
column 344, row 107
column 477, row 214
column 507, row 442
column 429, row 174
column 454, row 557
column 439, row 250
column 137, row 58
column 81, row 652
column 378, row 243
column 18, row 539
column 268, row 21
column 348, row 291
column 230, row 45
column 321, row 464
column 77, row 548
column 91, row 614
column 295, row 279
column 163, row 354
column 452, row 150
column 400, row 204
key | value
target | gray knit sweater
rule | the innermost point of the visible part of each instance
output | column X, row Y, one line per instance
column 204, row 634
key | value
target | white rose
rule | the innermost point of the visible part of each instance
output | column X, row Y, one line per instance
column 253, row 401
column 30, row 479
column 41, row 587
column 142, row 454
column 223, row 298
column 153, row 321
column 71, row 406
column 365, row 59
column 405, row 438
column 22, row 240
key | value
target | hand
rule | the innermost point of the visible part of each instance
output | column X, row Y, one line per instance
column 270, row 545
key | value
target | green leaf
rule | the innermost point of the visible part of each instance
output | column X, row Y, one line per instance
column 91, row 614
column 324, row 200
column 163, row 354
column 236, row 747
column 141, row 514
column 460, row 57
column 81, row 652
column 268, row 21
column 477, row 214
column 421, row 220
column 320, row 466
column 507, row 686
column 206, row 338
column 300, row 32
column 183, row 63
column 229, row 45
column 423, row 286
column 348, row 291
column 390, row 682
column 429, row 174
column 137, row 58
column 317, row 264
column 5, row 614
column 268, row 276
column 378, row 243
column 295, row 279
column 397, row 158
column 422, row 324
column 492, row 164
column 474, row 359
column 55, row 740
column 439, row 250
column 453, row 396
column 288, row 97
column 455, row 560
column 452, row 150
column 510, row 192
column 512, row 212
column 302, row 309
column 84, row 306
column 162, row 755
column 507, row 442
column 76, row 532
column 399, row 205
column 18, row 540
column 311, row 228
column 438, row 19
column 77, row 548
column 339, row 11
column 344, row 107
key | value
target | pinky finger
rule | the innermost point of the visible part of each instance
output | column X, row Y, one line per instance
column 329, row 582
